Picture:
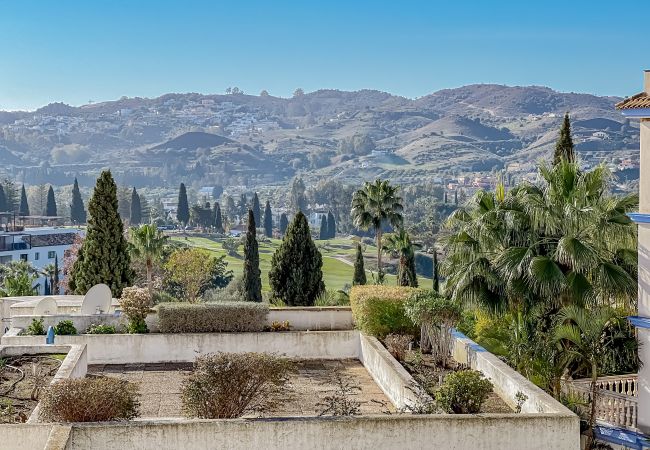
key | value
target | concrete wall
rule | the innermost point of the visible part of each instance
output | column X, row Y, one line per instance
column 314, row 318
column 24, row 436
column 152, row 348
column 81, row 322
column 498, row 432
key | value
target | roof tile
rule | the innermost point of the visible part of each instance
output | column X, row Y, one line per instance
column 638, row 101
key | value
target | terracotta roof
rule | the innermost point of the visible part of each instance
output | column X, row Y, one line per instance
column 637, row 101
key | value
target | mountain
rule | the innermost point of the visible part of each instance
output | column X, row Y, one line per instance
column 325, row 134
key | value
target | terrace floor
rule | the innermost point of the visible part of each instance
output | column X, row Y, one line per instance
column 160, row 386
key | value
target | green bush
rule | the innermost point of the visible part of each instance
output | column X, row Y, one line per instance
column 333, row 298
column 379, row 310
column 35, row 328
column 101, row 329
column 212, row 317
column 65, row 327
column 463, row 392
column 97, row 399
column 136, row 304
column 162, row 297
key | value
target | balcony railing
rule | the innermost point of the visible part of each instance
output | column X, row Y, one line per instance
column 616, row 399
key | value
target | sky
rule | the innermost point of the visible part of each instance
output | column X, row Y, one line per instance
column 80, row 51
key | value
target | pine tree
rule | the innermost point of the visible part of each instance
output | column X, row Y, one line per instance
column 296, row 274
column 252, row 281
column 284, row 223
column 24, row 206
column 218, row 220
column 359, row 270
column 77, row 210
column 268, row 220
column 11, row 194
column 104, row 255
column 55, row 287
column 3, row 200
column 135, row 217
column 323, row 228
column 436, row 276
column 331, row 226
column 564, row 146
column 50, row 208
column 183, row 209
column 257, row 212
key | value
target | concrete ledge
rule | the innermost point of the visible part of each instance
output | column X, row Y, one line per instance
column 24, row 436
column 81, row 322
column 314, row 318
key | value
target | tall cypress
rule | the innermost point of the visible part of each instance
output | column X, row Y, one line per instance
column 218, row 220
column 104, row 254
column 183, row 209
column 257, row 212
column 322, row 235
column 284, row 223
column 77, row 210
column 136, row 208
column 24, row 206
column 55, row 287
column 50, row 208
column 564, row 147
column 252, row 280
column 296, row 274
column 436, row 277
column 243, row 206
column 359, row 270
column 145, row 209
column 268, row 220
column 331, row 225
column 3, row 200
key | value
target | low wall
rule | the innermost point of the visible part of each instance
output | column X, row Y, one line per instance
column 81, row 322
column 498, row 432
column 24, row 436
column 153, row 348
column 507, row 381
column 314, row 318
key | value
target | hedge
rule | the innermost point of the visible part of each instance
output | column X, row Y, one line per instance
column 211, row 317
column 379, row 310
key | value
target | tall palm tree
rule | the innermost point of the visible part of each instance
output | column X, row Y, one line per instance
column 400, row 244
column 147, row 242
column 376, row 205
column 563, row 241
column 582, row 333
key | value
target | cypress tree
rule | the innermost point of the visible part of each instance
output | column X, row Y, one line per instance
column 243, row 206
column 24, row 206
column 331, row 225
column 446, row 197
column 145, row 209
column 284, row 223
column 136, row 208
column 436, row 277
column 50, row 208
column 257, row 212
column 456, row 197
column 183, row 209
column 296, row 274
column 564, row 146
column 268, row 220
column 323, row 228
column 359, row 270
column 3, row 200
column 252, row 281
column 11, row 194
column 46, row 288
column 104, row 254
column 218, row 220
column 77, row 210
column 410, row 273
column 55, row 287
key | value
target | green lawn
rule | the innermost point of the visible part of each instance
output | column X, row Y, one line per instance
column 336, row 273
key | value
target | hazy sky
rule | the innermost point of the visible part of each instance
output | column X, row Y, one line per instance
column 76, row 51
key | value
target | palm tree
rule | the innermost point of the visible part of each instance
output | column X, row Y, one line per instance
column 564, row 241
column 49, row 271
column 400, row 244
column 374, row 206
column 582, row 333
column 147, row 242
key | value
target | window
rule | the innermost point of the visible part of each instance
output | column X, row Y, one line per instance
column 51, row 254
column 23, row 256
column 36, row 256
column 5, row 259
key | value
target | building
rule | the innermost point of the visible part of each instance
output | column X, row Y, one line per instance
column 638, row 107
column 37, row 246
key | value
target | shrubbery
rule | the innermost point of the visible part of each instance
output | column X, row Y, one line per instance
column 228, row 385
column 65, row 327
column 97, row 399
column 35, row 328
column 212, row 317
column 398, row 345
column 379, row 310
column 101, row 329
column 463, row 392
column 136, row 304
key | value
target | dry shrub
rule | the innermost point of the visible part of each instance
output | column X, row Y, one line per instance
column 97, row 399
column 136, row 304
column 229, row 385
column 212, row 317
column 398, row 345
column 379, row 310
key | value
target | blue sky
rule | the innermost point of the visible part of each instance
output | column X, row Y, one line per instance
column 76, row 51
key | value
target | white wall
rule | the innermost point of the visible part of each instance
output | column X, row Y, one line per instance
column 314, row 318
column 24, row 436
